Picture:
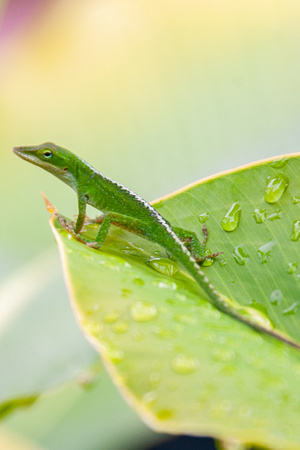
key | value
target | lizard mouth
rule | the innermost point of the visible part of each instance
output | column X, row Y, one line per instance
column 20, row 151
column 17, row 150
column 26, row 153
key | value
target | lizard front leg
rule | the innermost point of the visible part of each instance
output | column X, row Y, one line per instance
column 75, row 229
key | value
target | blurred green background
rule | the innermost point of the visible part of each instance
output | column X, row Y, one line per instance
column 153, row 94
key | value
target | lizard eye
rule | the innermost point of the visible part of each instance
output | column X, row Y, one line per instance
column 47, row 154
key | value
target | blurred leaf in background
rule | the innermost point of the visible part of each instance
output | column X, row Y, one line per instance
column 154, row 94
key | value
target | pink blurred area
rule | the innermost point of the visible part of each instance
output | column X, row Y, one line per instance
column 18, row 14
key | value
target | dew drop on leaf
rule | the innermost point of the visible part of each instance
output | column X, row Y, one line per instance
column 291, row 310
column 276, row 187
column 260, row 215
column 165, row 284
column 220, row 354
column 279, row 163
column 142, row 311
column 276, row 297
column 154, row 379
column 276, row 215
column 121, row 327
column 185, row 318
column 124, row 292
column 111, row 316
column 223, row 262
column 93, row 328
column 296, row 231
column 295, row 200
column 207, row 261
column 184, row 364
column 163, row 265
column 138, row 281
column 231, row 219
column 149, row 398
column 114, row 354
column 292, row 267
column 265, row 251
column 240, row 255
column 203, row 218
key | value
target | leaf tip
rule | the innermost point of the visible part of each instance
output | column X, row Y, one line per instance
column 50, row 208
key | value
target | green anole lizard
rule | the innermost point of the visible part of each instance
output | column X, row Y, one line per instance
column 123, row 208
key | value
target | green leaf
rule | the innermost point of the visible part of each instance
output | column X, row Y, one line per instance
column 260, row 264
column 183, row 365
column 40, row 346
column 9, row 406
column 90, row 417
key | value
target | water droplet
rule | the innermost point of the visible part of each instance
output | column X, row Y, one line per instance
column 276, row 215
column 177, row 299
column 279, row 163
column 265, row 251
column 203, row 218
column 223, row 262
column 112, row 353
column 149, row 398
column 110, row 265
column 223, row 354
column 138, row 281
column 296, row 231
column 96, row 307
column 132, row 250
column 93, row 328
column 276, row 297
column 292, row 267
column 240, row 255
column 231, row 220
column 165, row 284
column 207, row 261
column 143, row 311
column 184, row 364
column 124, row 292
column 185, row 318
column 295, row 200
column 276, row 187
column 164, row 266
column 291, row 310
column 87, row 256
column 260, row 215
column 111, row 316
column 121, row 327
column 181, row 297
column 154, row 379
column 163, row 333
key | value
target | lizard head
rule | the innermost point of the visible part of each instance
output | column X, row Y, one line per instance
column 57, row 160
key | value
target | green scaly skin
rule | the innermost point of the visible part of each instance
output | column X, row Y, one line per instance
column 125, row 209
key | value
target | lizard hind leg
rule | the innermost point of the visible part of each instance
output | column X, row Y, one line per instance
column 192, row 243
